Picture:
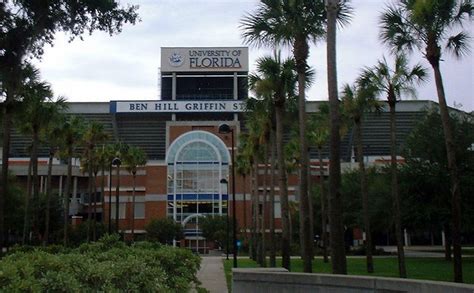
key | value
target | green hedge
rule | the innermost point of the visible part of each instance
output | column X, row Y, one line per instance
column 107, row 265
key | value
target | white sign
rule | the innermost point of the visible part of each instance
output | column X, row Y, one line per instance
column 233, row 59
column 176, row 106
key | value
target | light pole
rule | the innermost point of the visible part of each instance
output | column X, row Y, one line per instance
column 225, row 129
column 224, row 181
column 117, row 162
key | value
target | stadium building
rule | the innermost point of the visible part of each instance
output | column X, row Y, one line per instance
column 187, row 157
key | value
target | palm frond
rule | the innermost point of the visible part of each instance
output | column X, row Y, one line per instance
column 466, row 10
column 344, row 13
column 395, row 32
column 458, row 44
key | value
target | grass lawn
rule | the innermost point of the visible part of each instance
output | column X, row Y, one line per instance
column 436, row 269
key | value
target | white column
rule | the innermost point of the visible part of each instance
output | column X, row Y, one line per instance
column 41, row 184
column 60, row 185
column 236, row 93
column 74, row 190
column 173, row 93
column 407, row 237
column 443, row 238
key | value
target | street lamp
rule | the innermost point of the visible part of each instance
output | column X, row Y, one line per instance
column 224, row 181
column 115, row 162
column 225, row 129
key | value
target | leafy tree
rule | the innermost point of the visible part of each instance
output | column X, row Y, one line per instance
column 214, row 228
column 427, row 26
column 383, row 80
column 133, row 159
column 356, row 102
column 163, row 230
column 26, row 27
column 15, row 203
column 426, row 166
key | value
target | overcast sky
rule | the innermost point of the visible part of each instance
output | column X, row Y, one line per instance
column 126, row 66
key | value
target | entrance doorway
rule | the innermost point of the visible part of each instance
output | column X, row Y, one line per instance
column 197, row 161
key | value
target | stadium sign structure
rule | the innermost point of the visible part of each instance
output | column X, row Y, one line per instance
column 204, row 59
column 176, row 106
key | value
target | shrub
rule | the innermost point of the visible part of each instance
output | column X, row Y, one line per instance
column 107, row 265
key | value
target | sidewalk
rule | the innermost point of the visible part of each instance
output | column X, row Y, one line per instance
column 212, row 274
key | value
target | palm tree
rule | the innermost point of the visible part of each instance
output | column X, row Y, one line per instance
column 51, row 135
column 243, row 165
column 335, row 8
column 120, row 150
column 246, row 153
column 272, row 81
column 356, row 101
column 134, row 158
column 393, row 83
column 14, row 73
column 258, row 125
column 294, row 23
column 318, row 136
column 105, row 155
column 427, row 26
column 72, row 132
column 277, row 78
column 94, row 134
column 37, row 109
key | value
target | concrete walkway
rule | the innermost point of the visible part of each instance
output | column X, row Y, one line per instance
column 212, row 274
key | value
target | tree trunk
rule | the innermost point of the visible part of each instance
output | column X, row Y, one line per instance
column 447, row 242
column 272, row 202
column 102, row 191
column 453, row 174
column 48, row 197
column 283, row 189
column 117, row 201
column 245, row 207
column 27, row 216
column 252, row 248
column 338, row 257
column 324, row 215
column 67, row 191
column 395, row 192
column 256, row 206
column 94, row 212
column 35, row 225
column 263, row 255
column 89, row 200
column 311, row 211
column 7, row 121
column 301, row 53
column 365, row 195
column 133, row 206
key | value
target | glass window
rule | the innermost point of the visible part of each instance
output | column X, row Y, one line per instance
column 139, row 210
column 277, row 210
column 122, row 208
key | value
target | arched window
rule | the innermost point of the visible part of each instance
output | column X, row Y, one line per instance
column 197, row 161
